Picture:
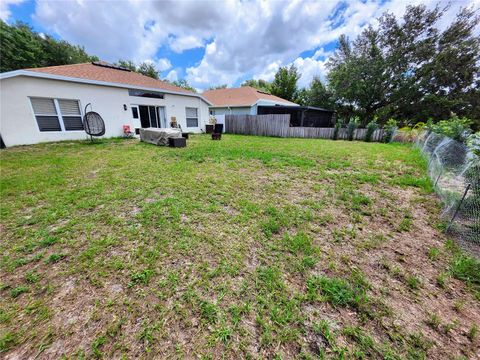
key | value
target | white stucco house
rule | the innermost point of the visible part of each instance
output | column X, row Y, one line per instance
column 244, row 100
column 47, row 104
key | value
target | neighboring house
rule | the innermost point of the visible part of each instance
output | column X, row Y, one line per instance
column 47, row 104
column 242, row 100
column 247, row 100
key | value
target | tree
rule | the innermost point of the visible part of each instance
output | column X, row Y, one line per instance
column 319, row 95
column 217, row 87
column 409, row 70
column 23, row 48
column 259, row 84
column 285, row 83
column 149, row 70
column 184, row 85
column 127, row 64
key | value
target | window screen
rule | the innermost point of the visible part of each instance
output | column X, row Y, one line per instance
column 69, row 107
column 72, row 119
column 46, row 114
column 72, row 123
column 192, row 117
column 43, row 106
column 48, row 123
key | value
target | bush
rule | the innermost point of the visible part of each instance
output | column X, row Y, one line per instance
column 336, row 130
column 351, row 126
column 371, row 127
column 390, row 128
column 455, row 128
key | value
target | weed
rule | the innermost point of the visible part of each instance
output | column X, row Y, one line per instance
column 208, row 311
column 473, row 332
column 17, row 291
column 434, row 321
column 143, row 277
column 96, row 345
column 433, row 253
column 222, row 334
column 405, row 224
column 54, row 258
column 32, row 277
column 413, row 282
column 442, row 280
column 48, row 241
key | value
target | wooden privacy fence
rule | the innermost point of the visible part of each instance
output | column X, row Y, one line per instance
column 279, row 125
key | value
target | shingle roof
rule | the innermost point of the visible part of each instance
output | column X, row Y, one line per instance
column 242, row 96
column 105, row 73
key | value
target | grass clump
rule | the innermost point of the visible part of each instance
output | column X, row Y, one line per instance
column 19, row 290
column 337, row 291
column 54, row 258
column 143, row 277
column 466, row 268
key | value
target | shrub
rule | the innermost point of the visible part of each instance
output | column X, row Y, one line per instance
column 351, row 126
column 455, row 128
column 336, row 130
column 390, row 128
column 371, row 127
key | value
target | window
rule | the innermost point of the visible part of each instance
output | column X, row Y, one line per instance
column 135, row 112
column 46, row 114
column 192, row 117
column 57, row 114
column 70, row 112
column 147, row 94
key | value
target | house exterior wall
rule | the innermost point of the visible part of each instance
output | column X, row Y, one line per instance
column 231, row 111
column 244, row 110
column 18, row 125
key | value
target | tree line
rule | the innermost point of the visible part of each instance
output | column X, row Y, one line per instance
column 406, row 69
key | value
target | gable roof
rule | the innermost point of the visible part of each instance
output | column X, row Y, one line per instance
column 101, row 73
column 242, row 96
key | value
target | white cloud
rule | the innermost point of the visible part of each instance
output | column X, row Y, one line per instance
column 5, row 5
column 172, row 75
column 183, row 43
column 309, row 68
column 241, row 38
column 163, row 64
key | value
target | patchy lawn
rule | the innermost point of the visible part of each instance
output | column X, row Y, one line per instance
column 247, row 247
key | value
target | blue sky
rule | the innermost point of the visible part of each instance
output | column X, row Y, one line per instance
column 210, row 42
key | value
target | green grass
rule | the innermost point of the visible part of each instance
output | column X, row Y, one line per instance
column 248, row 247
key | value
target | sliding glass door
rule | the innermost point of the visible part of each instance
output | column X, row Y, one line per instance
column 152, row 116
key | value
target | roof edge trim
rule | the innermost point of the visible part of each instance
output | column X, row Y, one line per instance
column 36, row 74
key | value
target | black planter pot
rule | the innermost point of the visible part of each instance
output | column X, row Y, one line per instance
column 209, row 129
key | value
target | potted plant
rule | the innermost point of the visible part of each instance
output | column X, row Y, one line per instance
column 209, row 128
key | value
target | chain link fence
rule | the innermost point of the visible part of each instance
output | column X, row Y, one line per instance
column 455, row 173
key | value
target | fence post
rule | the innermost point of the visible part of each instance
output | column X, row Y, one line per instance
column 458, row 207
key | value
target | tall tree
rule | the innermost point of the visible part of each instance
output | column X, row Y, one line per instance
column 285, row 83
column 127, row 64
column 408, row 69
column 183, row 83
column 21, row 48
column 217, row 87
column 259, row 84
column 148, row 69
column 319, row 95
